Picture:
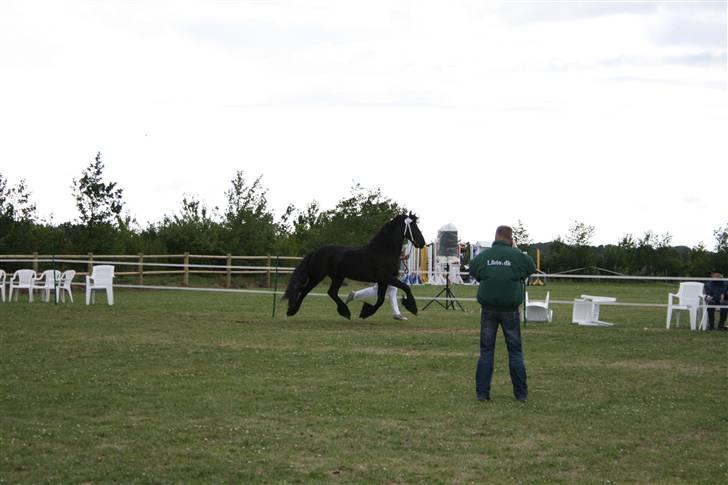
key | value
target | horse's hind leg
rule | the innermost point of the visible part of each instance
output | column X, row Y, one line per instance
column 310, row 285
column 408, row 302
column 341, row 307
column 367, row 310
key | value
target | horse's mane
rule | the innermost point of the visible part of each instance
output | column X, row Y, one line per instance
column 390, row 236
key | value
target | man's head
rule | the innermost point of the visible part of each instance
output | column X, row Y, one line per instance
column 505, row 234
column 715, row 274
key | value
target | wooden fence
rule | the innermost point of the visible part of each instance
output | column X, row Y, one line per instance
column 261, row 265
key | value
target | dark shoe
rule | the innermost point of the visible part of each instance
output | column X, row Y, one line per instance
column 483, row 398
column 523, row 400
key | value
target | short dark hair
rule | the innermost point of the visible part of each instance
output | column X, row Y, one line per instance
column 504, row 233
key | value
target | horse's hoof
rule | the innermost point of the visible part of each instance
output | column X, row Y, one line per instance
column 410, row 305
column 291, row 312
column 367, row 310
column 344, row 312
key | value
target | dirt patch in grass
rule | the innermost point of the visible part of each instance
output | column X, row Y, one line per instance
column 412, row 353
column 663, row 365
column 366, row 350
column 446, row 331
column 471, row 331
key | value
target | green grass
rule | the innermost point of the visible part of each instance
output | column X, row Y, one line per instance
column 170, row 386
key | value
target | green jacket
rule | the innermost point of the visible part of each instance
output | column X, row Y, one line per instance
column 501, row 271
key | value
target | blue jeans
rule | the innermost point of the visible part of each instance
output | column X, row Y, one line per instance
column 511, row 324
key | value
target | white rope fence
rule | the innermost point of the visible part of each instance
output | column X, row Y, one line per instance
column 288, row 269
column 280, row 292
column 284, row 270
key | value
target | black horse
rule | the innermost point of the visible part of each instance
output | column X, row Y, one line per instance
column 377, row 262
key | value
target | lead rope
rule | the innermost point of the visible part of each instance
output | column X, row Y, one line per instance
column 407, row 227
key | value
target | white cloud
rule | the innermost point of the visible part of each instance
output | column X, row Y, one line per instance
column 541, row 112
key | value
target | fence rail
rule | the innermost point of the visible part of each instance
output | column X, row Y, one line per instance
column 269, row 264
column 186, row 267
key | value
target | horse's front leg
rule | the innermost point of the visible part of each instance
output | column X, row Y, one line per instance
column 295, row 303
column 341, row 307
column 367, row 310
column 409, row 301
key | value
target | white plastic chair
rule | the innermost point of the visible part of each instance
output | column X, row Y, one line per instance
column 102, row 278
column 64, row 285
column 2, row 284
column 538, row 310
column 689, row 298
column 23, row 279
column 47, row 283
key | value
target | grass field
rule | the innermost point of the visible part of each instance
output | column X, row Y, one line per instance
column 176, row 387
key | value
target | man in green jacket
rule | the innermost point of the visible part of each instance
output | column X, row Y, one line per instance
column 501, row 271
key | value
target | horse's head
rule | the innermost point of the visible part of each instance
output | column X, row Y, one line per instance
column 412, row 231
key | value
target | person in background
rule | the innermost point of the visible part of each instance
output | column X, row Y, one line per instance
column 716, row 293
column 501, row 271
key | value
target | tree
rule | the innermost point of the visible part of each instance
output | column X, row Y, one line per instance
column 580, row 234
column 700, row 260
column 721, row 239
column 25, row 210
column 248, row 222
column 245, row 199
column 353, row 221
column 98, row 202
column 520, row 234
column 358, row 217
column 17, row 218
column 6, row 206
column 193, row 229
column 15, row 201
column 574, row 251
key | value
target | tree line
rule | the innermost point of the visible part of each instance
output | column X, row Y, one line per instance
column 647, row 255
column 247, row 225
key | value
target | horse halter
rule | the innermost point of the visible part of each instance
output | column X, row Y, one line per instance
column 407, row 228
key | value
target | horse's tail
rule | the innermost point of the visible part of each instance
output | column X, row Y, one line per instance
column 299, row 278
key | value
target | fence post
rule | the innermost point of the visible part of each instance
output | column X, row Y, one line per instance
column 141, row 268
column 187, row 269
column 268, row 272
column 90, row 264
column 35, row 261
column 229, row 269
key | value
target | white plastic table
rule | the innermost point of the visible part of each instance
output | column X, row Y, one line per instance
column 586, row 310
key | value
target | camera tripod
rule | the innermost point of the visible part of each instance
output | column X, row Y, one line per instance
column 450, row 299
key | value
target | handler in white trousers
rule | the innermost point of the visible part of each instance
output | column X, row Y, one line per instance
column 371, row 292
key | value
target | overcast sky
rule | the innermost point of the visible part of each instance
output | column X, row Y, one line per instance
column 476, row 113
